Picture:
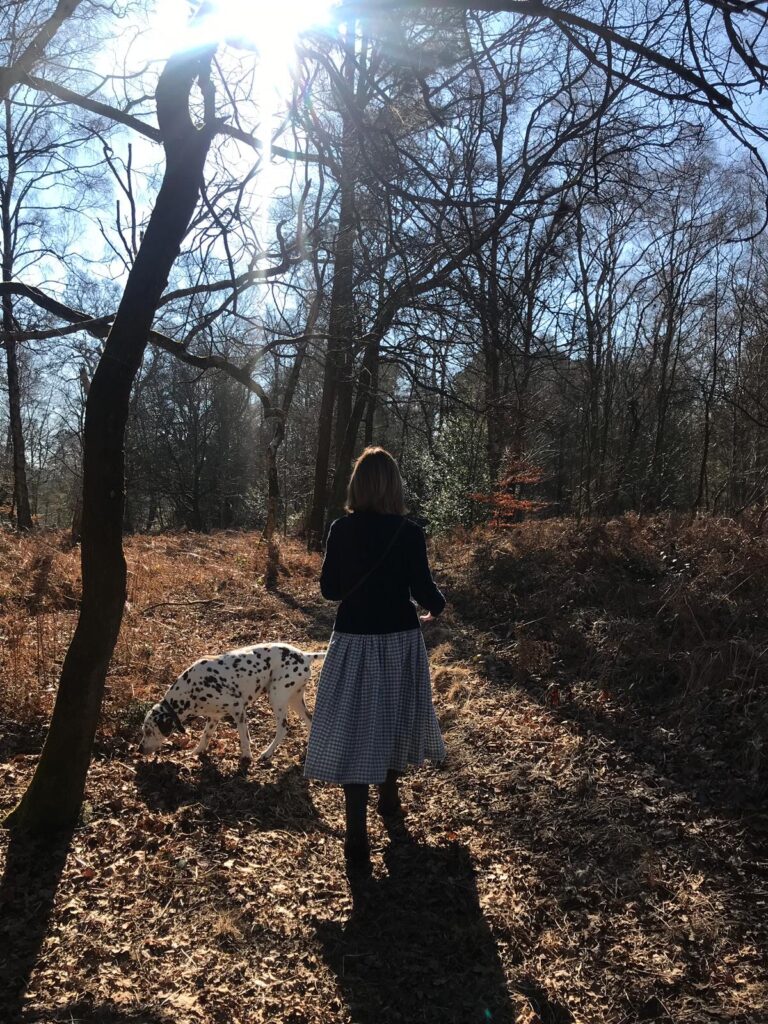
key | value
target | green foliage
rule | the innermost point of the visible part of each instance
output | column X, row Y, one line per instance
column 457, row 468
column 132, row 715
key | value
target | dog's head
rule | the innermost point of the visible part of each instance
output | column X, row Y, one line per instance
column 159, row 723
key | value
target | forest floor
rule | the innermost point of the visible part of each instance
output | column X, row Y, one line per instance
column 593, row 850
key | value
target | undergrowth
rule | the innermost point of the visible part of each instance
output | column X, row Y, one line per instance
column 665, row 613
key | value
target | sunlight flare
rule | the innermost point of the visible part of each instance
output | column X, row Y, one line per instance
column 271, row 30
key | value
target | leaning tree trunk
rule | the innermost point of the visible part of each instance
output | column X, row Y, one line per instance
column 55, row 794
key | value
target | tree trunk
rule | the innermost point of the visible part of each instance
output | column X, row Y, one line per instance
column 273, row 506
column 55, row 793
column 273, row 479
column 336, row 361
column 494, row 416
column 370, row 408
column 20, row 488
column 316, row 520
column 368, row 371
column 339, row 366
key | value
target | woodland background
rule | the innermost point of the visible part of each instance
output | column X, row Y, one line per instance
column 516, row 273
column 522, row 246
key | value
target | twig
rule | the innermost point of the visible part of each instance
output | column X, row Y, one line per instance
column 162, row 604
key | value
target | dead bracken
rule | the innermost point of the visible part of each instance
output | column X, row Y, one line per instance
column 591, row 851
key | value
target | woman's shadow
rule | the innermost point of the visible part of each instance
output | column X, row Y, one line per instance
column 416, row 946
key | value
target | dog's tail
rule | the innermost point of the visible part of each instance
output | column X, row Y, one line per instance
column 314, row 655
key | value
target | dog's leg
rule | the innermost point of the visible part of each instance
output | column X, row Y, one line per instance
column 298, row 705
column 280, row 711
column 241, row 722
column 205, row 739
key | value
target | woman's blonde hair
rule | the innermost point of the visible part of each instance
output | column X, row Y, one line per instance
column 376, row 484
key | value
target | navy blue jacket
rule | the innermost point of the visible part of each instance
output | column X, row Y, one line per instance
column 382, row 604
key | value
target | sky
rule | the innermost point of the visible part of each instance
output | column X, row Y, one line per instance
column 267, row 30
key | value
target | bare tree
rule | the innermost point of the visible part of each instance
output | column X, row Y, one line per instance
column 54, row 796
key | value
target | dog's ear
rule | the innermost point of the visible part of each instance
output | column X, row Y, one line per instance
column 165, row 725
column 169, row 712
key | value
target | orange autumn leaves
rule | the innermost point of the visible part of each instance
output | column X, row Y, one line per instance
column 506, row 503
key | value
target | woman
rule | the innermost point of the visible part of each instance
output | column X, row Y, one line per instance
column 373, row 712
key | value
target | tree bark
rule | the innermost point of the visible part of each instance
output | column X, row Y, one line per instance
column 55, row 793
column 337, row 360
column 280, row 419
column 20, row 488
column 346, row 449
column 494, row 414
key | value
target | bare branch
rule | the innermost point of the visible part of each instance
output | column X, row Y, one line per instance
column 99, row 327
column 15, row 74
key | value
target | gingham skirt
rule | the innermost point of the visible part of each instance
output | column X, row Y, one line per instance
column 373, row 709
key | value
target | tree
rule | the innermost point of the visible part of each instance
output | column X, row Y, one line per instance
column 55, row 793
column 683, row 51
column 35, row 150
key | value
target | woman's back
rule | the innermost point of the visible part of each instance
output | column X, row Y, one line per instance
column 374, row 564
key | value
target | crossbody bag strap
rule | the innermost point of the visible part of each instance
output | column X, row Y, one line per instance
column 379, row 562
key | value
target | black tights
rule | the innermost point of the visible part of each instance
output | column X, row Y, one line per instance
column 356, row 807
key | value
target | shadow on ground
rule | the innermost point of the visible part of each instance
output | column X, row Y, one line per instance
column 84, row 1013
column 416, row 946
column 653, row 734
column 283, row 803
column 27, row 894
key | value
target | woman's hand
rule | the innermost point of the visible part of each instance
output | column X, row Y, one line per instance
column 429, row 617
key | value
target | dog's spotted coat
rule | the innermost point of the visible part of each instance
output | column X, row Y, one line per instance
column 224, row 685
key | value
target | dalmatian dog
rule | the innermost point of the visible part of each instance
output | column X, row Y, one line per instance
column 224, row 685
